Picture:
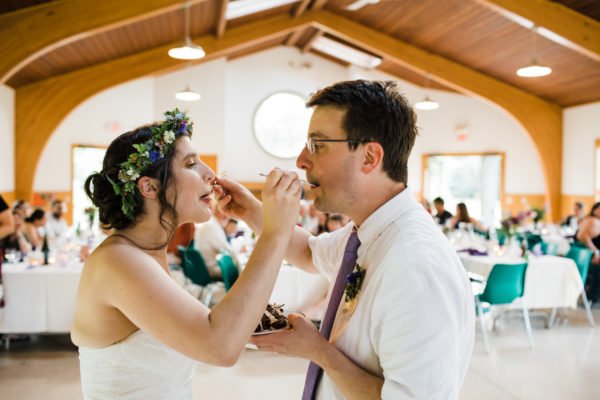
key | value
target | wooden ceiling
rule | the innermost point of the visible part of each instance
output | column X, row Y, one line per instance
column 467, row 32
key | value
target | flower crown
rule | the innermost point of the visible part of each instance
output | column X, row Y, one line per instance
column 156, row 148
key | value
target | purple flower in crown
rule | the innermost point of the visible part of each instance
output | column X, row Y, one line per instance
column 155, row 156
column 182, row 127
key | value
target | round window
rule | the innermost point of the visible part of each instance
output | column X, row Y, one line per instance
column 281, row 124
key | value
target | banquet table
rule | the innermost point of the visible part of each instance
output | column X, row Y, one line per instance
column 550, row 281
column 39, row 299
column 297, row 289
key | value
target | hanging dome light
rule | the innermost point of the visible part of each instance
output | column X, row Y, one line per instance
column 189, row 50
column 535, row 69
column 187, row 95
column 427, row 104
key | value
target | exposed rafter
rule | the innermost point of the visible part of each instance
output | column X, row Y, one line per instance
column 293, row 38
column 221, row 20
column 300, row 8
column 31, row 32
column 557, row 23
column 318, row 5
column 309, row 43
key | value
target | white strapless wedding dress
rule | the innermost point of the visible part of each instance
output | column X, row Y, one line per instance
column 138, row 367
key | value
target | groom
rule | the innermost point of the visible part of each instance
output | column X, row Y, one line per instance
column 400, row 318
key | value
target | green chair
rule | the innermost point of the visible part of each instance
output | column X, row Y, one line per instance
column 228, row 269
column 550, row 249
column 194, row 267
column 582, row 257
column 505, row 284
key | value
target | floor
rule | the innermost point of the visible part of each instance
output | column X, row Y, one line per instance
column 564, row 365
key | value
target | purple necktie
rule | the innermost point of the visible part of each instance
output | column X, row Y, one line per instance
column 350, row 254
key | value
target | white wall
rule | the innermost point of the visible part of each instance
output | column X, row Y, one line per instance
column 7, row 139
column 233, row 90
column 96, row 121
column 581, row 129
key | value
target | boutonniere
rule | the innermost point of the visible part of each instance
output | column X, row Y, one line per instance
column 354, row 282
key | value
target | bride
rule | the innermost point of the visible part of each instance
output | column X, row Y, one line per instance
column 139, row 334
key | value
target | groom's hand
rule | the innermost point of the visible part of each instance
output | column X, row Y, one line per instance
column 301, row 340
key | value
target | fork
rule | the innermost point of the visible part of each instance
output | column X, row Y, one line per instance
column 304, row 181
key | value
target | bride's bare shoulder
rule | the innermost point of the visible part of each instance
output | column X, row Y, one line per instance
column 115, row 254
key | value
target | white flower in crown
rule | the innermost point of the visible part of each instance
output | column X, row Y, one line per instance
column 133, row 174
column 169, row 137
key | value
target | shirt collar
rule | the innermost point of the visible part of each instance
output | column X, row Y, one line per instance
column 381, row 218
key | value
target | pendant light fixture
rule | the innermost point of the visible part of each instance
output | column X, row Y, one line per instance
column 187, row 94
column 535, row 69
column 427, row 103
column 189, row 50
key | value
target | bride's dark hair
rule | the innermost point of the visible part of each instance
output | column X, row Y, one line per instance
column 100, row 190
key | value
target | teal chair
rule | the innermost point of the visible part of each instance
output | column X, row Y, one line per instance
column 550, row 249
column 194, row 267
column 532, row 240
column 505, row 284
column 582, row 257
column 228, row 269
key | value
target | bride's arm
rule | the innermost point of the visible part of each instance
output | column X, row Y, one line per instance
column 154, row 303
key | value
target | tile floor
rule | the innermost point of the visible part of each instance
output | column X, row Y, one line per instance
column 564, row 365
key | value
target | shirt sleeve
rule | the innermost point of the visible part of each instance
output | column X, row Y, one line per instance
column 326, row 252
column 418, row 357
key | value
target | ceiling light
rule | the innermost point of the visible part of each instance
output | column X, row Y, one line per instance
column 346, row 53
column 535, row 69
column 189, row 51
column 240, row 8
column 427, row 103
column 187, row 95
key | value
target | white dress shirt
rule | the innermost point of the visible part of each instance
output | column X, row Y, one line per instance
column 414, row 321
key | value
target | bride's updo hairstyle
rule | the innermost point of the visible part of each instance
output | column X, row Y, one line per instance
column 146, row 151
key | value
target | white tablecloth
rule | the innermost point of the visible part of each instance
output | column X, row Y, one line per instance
column 40, row 299
column 550, row 281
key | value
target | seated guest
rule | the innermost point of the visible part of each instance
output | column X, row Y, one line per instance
column 56, row 225
column 442, row 215
column 230, row 229
column 425, row 203
column 22, row 207
column 210, row 239
column 462, row 215
column 589, row 235
column 33, row 224
column 577, row 216
column 7, row 225
column 16, row 240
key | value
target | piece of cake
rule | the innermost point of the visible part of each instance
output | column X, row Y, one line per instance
column 272, row 319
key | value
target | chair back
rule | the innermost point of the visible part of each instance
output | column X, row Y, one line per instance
column 550, row 249
column 194, row 266
column 505, row 284
column 582, row 257
column 228, row 269
column 532, row 240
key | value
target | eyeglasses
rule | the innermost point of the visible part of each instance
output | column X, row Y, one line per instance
column 312, row 147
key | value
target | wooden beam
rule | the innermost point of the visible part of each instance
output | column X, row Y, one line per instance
column 221, row 20
column 33, row 31
column 318, row 5
column 293, row 38
column 308, row 45
column 299, row 10
column 555, row 21
column 540, row 118
column 40, row 107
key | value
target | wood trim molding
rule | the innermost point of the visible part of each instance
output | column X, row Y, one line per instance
column 559, row 23
column 54, row 98
column 221, row 20
column 540, row 118
column 309, row 43
column 293, row 38
column 33, row 31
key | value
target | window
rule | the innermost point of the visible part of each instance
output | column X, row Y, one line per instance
column 86, row 160
column 473, row 179
column 281, row 124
